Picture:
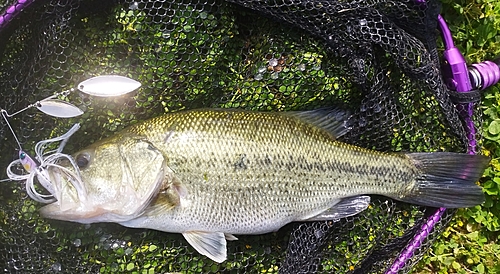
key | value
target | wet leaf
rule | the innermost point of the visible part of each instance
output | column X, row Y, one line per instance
column 494, row 127
column 480, row 268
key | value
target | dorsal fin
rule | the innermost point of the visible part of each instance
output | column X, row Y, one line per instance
column 333, row 120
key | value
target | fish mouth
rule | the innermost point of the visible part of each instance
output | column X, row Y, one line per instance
column 74, row 202
column 60, row 176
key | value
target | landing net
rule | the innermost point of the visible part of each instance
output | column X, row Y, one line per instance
column 376, row 58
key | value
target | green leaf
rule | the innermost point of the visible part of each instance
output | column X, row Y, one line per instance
column 473, row 235
column 152, row 248
column 480, row 268
column 494, row 127
column 448, row 260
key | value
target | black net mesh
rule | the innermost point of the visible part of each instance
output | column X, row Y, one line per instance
column 377, row 58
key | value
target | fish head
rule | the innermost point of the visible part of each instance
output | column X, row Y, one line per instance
column 115, row 180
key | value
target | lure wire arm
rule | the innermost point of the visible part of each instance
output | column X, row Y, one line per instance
column 37, row 103
column 5, row 115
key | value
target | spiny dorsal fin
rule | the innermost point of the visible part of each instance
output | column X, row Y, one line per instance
column 332, row 120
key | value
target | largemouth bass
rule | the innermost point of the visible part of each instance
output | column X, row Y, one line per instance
column 213, row 174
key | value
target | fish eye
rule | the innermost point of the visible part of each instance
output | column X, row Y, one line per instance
column 82, row 160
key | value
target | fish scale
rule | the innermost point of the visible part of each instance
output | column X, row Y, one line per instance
column 212, row 173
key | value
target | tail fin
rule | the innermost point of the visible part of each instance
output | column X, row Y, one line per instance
column 447, row 179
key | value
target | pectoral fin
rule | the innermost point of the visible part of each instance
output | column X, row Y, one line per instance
column 345, row 208
column 210, row 244
column 173, row 194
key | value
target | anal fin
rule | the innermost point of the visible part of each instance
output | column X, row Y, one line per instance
column 345, row 208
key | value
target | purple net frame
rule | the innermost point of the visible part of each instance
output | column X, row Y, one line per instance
column 11, row 12
column 461, row 79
